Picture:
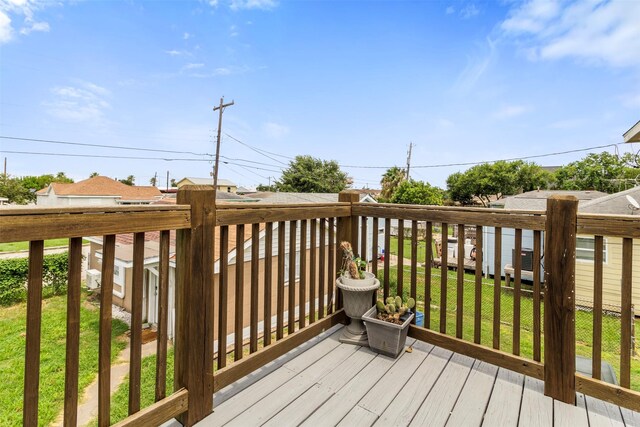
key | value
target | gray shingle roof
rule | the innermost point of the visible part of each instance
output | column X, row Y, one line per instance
column 616, row 203
column 537, row 200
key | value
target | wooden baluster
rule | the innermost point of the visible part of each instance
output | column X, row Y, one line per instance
column 268, row 274
column 444, row 268
column 387, row 256
column 280, row 290
column 460, row 282
column 322, row 273
column 291, row 322
column 363, row 238
column 477, row 326
column 32, row 349
column 626, row 317
column 313, row 270
column 596, row 355
column 400, row 264
column 413, row 292
column 73, row 332
column 239, row 306
column 331, row 270
column 374, row 247
column 223, row 306
column 163, row 316
column 537, row 251
column 302, row 300
column 427, row 274
column 517, row 282
column 104, row 352
column 255, row 264
column 135, row 362
column 497, row 287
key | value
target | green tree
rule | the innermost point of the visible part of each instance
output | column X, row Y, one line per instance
column 390, row 182
column 94, row 174
column 12, row 189
column 306, row 174
column 598, row 171
column 130, row 180
column 489, row 181
column 417, row 193
column 263, row 187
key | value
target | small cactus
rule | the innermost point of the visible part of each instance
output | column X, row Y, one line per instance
column 393, row 308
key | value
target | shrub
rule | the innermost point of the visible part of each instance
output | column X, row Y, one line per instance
column 14, row 273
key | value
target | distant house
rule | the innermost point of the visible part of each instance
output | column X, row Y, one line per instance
column 96, row 191
column 223, row 184
column 123, row 278
column 613, row 204
column 529, row 201
column 633, row 134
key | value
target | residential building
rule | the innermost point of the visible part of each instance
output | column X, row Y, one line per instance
column 96, row 191
column 223, row 184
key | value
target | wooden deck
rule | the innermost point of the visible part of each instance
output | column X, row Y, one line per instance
column 326, row 383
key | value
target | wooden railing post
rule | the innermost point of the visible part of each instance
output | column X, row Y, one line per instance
column 194, row 303
column 346, row 230
column 559, row 302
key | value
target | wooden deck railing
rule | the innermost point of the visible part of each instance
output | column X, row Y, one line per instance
column 271, row 307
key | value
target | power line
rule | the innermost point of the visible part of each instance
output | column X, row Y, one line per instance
column 260, row 151
column 104, row 156
column 119, row 147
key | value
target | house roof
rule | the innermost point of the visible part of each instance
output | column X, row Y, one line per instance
column 298, row 198
column 616, row 204
column 102, row 186
column 205, row 181
column 633, row 134
column 537, row 200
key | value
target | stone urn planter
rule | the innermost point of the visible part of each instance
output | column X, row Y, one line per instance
column 357, row 295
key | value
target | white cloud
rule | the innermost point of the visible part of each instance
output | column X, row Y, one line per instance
column 233, row 31
column 450, row 10
column 13, row 10
column 186, row 36
column 175, row 52
column 192, row 66
column 6, row 32
column 510, row 111
column 567, row 124
column 81, row 103
column 275, row 130
column 593, row 31
column 469, row 11
column 476, row 67
column 35, row 26
column 252, row 4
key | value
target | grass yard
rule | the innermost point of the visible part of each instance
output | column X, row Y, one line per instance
column 584, row 320
column 23, row 246
column 52, row 356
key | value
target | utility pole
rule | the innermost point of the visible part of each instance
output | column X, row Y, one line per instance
column 409, row 159
column 155, row 179
column 167, row 181
column 5, row 167
column 219, row 108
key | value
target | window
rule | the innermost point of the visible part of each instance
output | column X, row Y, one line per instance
column 585, row 249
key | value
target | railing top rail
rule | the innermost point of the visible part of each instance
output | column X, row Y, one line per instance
column 258, row 206
column 451, row 208
column 30, row 210
column 74, row 222
column 274, row 213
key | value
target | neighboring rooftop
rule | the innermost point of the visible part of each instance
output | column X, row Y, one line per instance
column 633, row 134
column 205, row 181
column 537, row 200
column 299, row 198
column 616, row 204
column 101, row 186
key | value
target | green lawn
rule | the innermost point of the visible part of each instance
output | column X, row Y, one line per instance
column 12, row 348
column 23, row 246
column 584, row 323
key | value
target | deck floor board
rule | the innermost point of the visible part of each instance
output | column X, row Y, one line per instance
column 327, row 383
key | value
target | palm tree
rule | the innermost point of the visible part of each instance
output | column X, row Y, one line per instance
column 391, row 180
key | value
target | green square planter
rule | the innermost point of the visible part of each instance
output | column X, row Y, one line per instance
column 385, row 337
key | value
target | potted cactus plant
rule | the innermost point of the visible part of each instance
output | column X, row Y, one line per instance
column 387, row 325
column 357, row 286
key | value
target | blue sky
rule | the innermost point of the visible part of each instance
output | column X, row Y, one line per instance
column 352, row 81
